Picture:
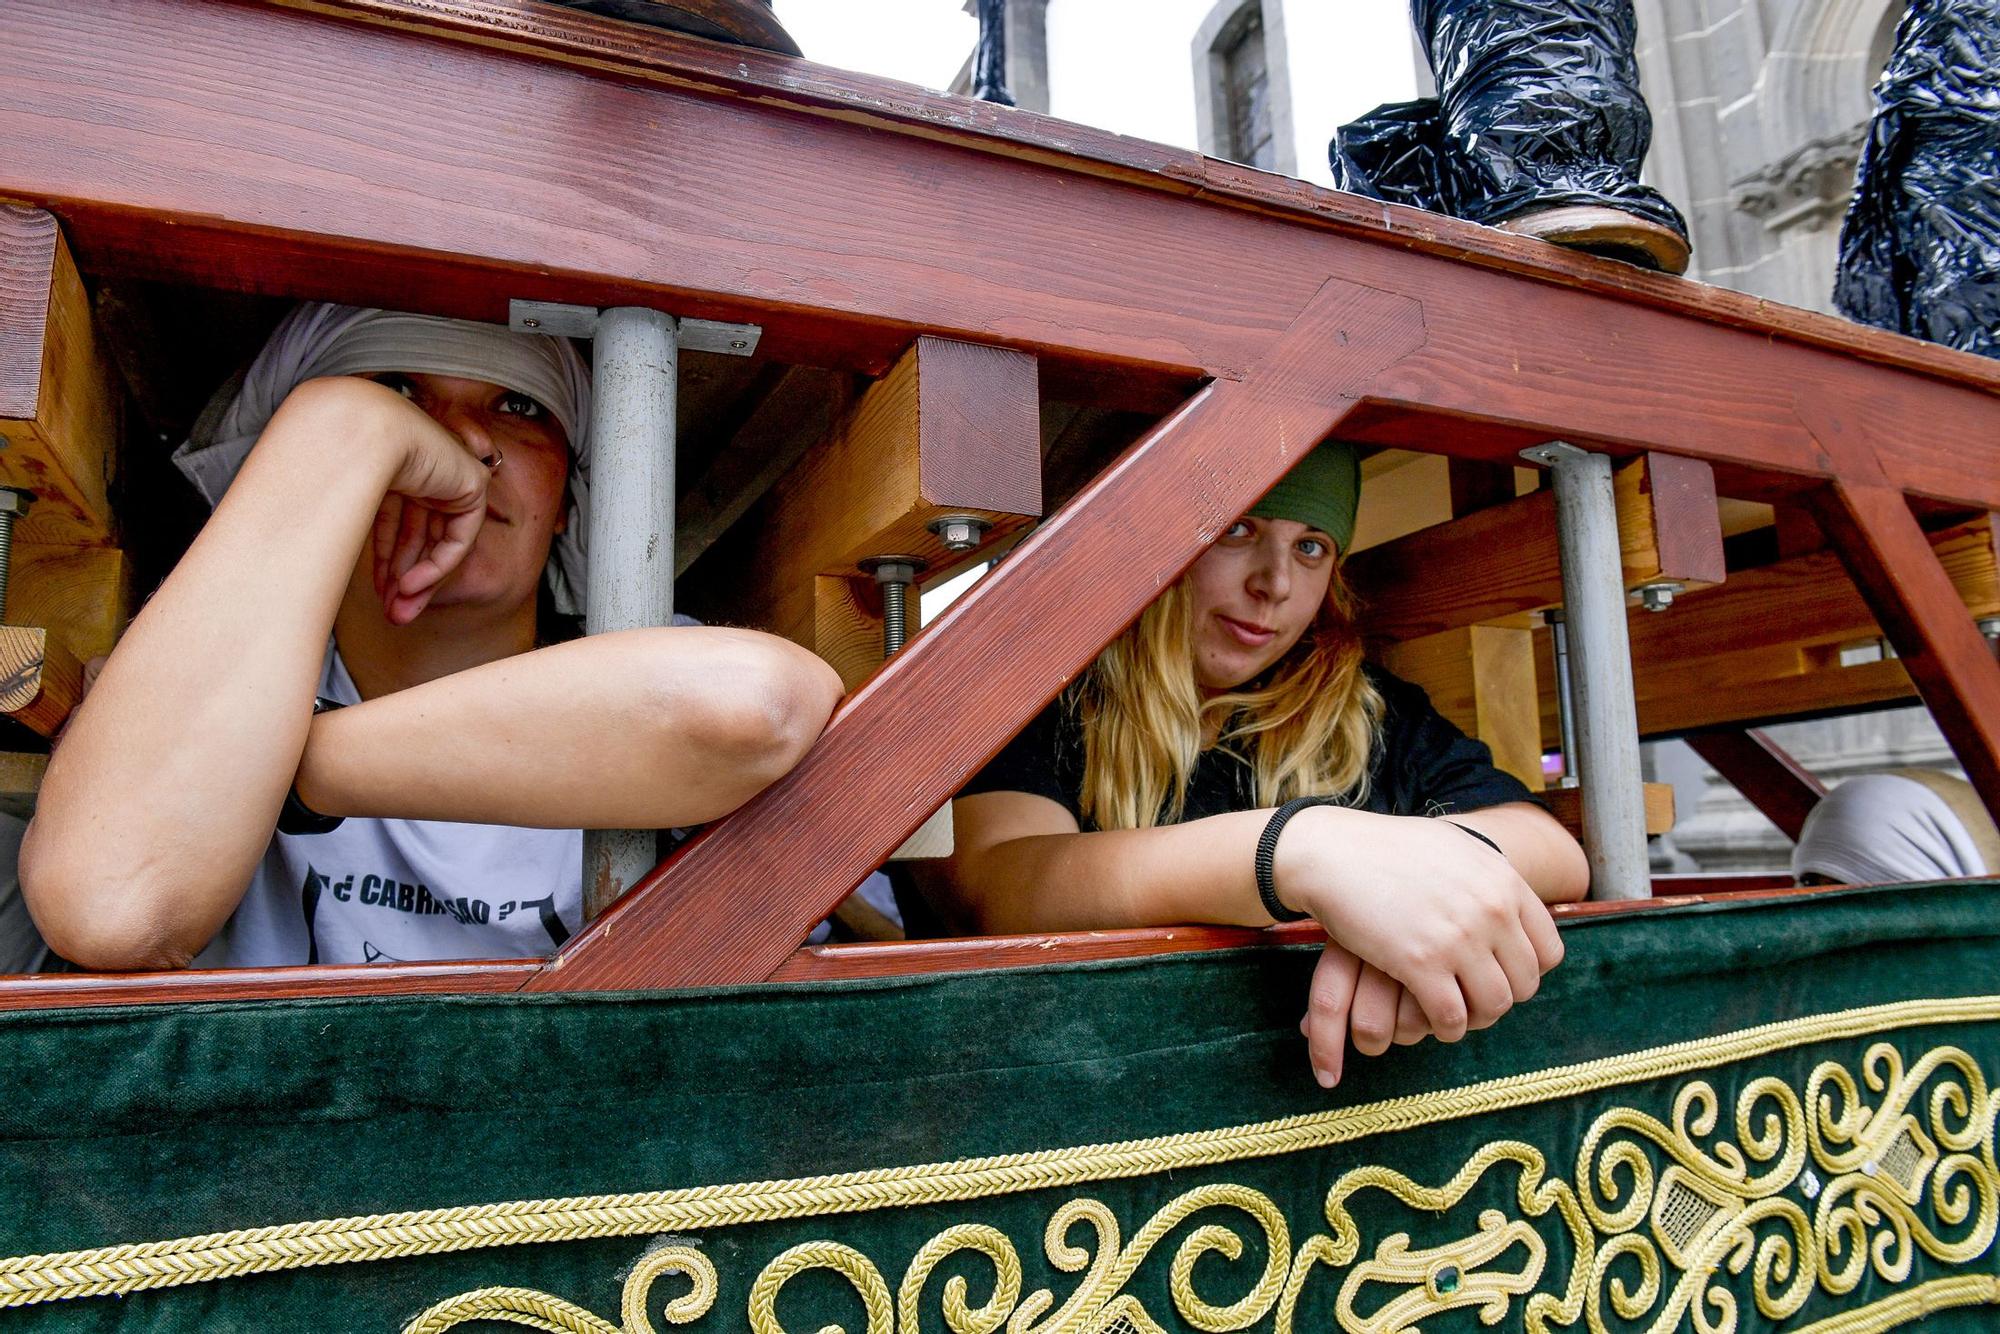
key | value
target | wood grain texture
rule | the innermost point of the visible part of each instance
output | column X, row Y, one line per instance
column 1503, row 560
column 1566, row 804
column 28, row 241
column 1482, row 679
column 946, row 698
column 847, row 626
column 1784, row 790
column 64, row 990
column 951, row 429
column 1211, row 262
column 41, row 679
column 82, row 595
column 60, row 399
column 1917, row 603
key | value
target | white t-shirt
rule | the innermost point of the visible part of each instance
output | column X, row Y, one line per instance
column 379, row 891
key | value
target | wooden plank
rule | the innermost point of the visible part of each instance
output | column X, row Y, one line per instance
column 1566, row 804
column 59, row 398
column 40, row 679
column 1503, row 560
column 953, row 428
column 1764, row 645
column 94, row 94
column 1916, row 601
column 956, row 694
column 64, row 990
column 1482, row 678
column 799, row 410
column 1764, row 772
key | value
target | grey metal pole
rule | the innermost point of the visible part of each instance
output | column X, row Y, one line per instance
column 1606, row 719
column 631, row 531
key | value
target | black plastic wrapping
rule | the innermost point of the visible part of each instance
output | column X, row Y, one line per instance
column 1920, row 251
column 1538, row 106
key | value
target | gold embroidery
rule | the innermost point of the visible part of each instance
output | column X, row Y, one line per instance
column 107, row 1270
column 1659, row 1218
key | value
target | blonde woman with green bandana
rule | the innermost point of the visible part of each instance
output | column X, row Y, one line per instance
column 1231, row 759
column 390, row 493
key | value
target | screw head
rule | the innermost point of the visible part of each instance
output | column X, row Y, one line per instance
column 1989, row 626
column 1660, row 596
column 960, row 532
column 892, row 569
column 531, row 323
column 13, row 500
column 738, row 344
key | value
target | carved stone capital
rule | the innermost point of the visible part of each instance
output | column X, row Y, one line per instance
column 1808, row 187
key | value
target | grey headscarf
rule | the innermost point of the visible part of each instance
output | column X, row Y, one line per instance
column 321, row 339
column 1884, row 829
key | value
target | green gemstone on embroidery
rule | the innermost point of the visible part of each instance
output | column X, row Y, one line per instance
column 1446, row 1281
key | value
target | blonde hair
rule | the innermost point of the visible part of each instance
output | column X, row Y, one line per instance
column 1306, row 726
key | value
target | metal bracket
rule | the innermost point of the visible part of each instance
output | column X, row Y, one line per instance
column 567, row 321
column 1552, row 453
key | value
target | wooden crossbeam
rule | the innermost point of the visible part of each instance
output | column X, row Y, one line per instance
column 1566, row 804
column 1126, row 536
column 827, row 233
column 1766, row 644
column 1502, row 561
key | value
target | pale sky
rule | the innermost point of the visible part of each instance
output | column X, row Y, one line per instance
column 918, row 41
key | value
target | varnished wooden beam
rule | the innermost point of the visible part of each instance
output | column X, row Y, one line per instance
column 59, row 398
column 873, row 175
column 1566, row 804
column 1764, row 772
column 1482, row 678
column 1502, row 561
column 1893, row 564
column 952, row 698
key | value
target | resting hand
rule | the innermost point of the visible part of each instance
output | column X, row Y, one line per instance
column 431, row 514
column 1433, row 910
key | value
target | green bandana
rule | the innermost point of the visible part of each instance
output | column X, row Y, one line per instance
column 1322, row 490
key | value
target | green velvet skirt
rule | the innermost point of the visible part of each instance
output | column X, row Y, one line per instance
column 1749, row 1116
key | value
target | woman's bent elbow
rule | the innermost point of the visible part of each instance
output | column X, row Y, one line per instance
column 773, row 703
column 97, row 916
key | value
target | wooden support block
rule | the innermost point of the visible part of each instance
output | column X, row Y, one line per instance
column 81, row 595
column 1765, row 646
column 847, row 626
column 59, row 397
column 40, row 679
column 1502, row 561
column 1482, row 678
column 1566, row 804
column 20, row 782
column 954, row 428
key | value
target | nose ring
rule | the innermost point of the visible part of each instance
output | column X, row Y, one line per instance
column 493, row 463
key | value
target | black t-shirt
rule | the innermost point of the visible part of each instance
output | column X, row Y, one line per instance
column 1422, row 765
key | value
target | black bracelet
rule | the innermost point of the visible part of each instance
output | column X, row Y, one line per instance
column 1267, row 855
column 1468, row 829
column 295, row 817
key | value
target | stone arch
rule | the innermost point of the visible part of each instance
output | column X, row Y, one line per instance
column 1822, row 63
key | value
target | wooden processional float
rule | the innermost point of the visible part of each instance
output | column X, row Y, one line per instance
column 849, row 335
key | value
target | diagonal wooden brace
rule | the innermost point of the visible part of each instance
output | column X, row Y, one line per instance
column 1892, row 563
column 739, row 899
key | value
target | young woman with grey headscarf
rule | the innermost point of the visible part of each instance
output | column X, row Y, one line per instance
column 389, row 491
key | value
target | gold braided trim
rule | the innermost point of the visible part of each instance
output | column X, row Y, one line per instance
column 136, row 1267
column 1938, row 1295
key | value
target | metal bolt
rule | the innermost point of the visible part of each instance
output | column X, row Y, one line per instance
column 13, row 504
column 960, row 532
column 738, row 344
column 1990, row 627
column 895, row 574
column 1565, row 701
column 531, row 323
column 1659, row 596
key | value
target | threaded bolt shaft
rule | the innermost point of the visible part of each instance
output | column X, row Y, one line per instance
column 895, row 617
column 14, row 503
